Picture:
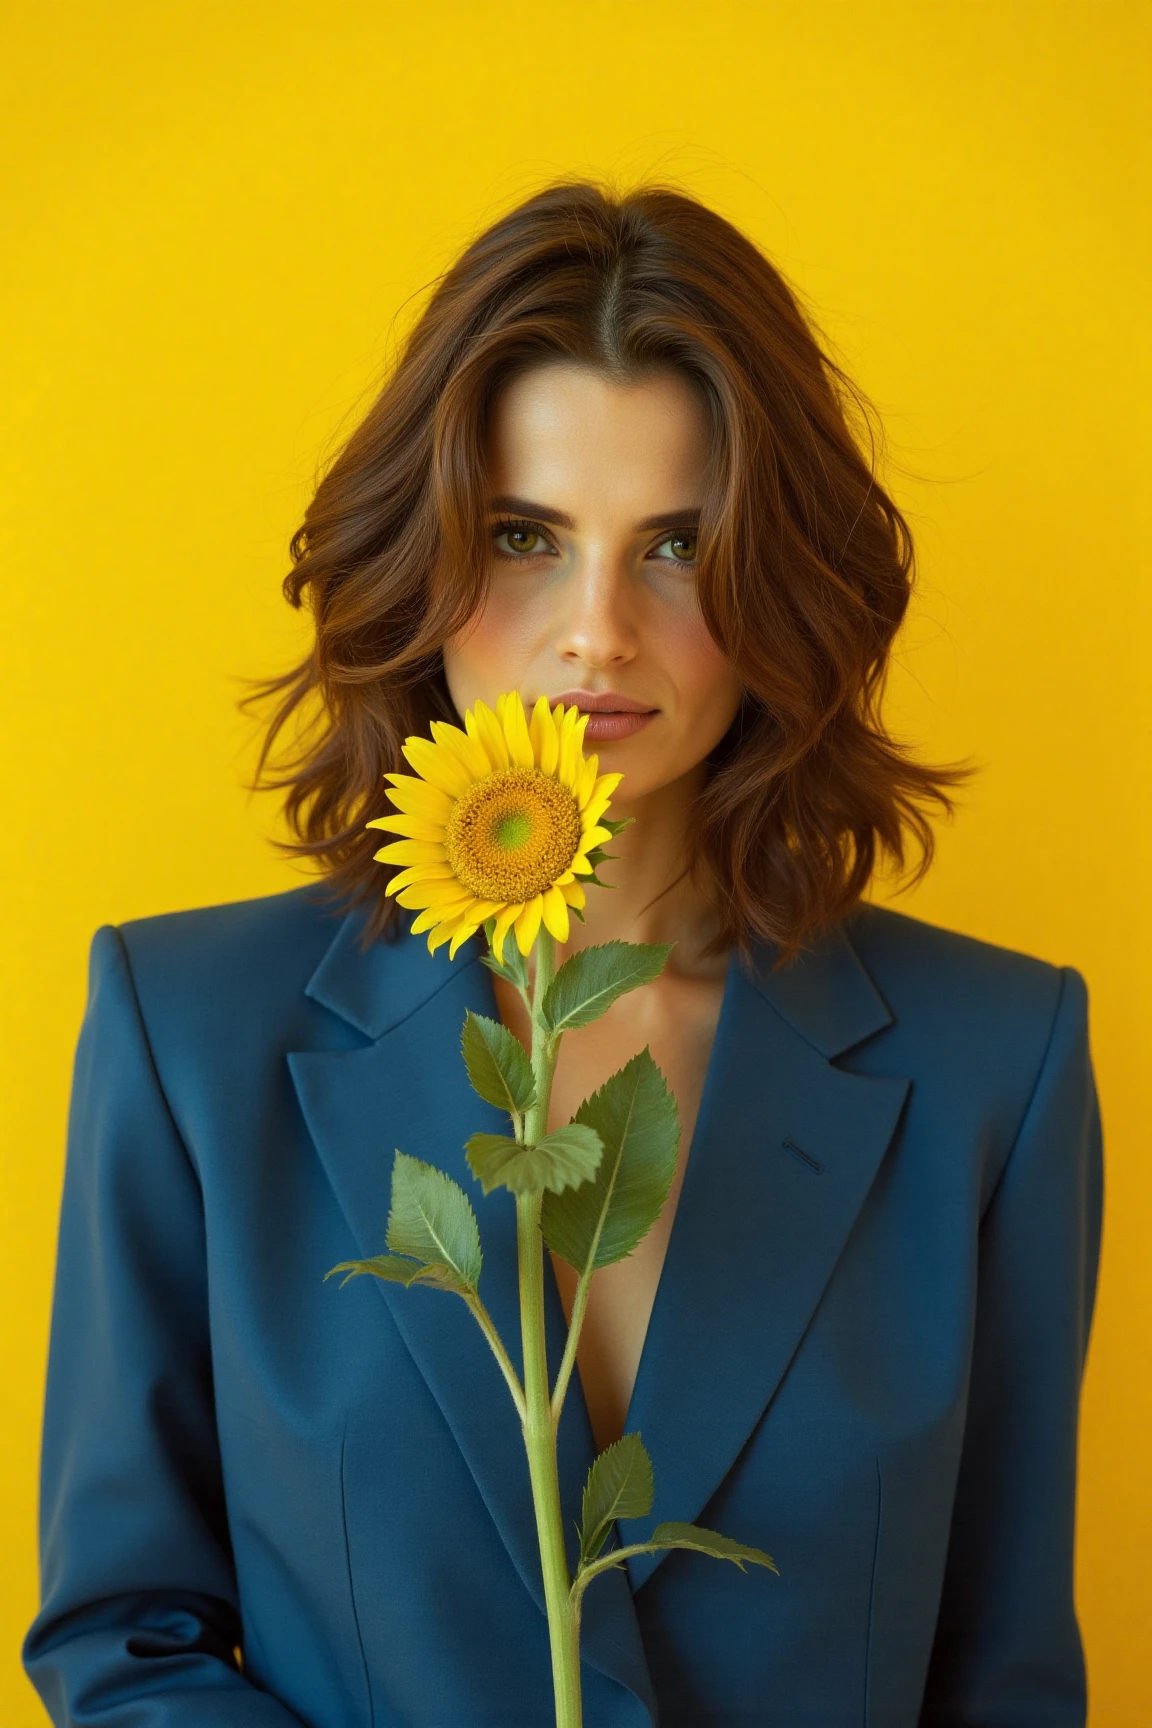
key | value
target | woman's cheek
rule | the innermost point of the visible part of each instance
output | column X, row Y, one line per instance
column 709, row 685
column 512, row 627
column 495, row 643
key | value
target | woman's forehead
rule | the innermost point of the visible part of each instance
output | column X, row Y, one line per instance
column 567, row 436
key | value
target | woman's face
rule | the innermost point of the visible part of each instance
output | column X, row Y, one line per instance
column 596, row 492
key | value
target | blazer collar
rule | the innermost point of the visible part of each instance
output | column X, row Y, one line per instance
column 784, row 1151
column 825, row 995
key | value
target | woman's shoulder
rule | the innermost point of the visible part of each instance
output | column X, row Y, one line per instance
column 226, row 962
column 244, row 960
column 915, row 949
column 238, row 933
column 962, row 988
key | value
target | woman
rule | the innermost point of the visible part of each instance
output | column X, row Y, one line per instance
column 613, row 466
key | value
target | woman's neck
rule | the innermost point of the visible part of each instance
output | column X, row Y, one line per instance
column 650, row 897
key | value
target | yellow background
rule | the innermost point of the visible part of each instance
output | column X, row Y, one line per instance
column 217, row 212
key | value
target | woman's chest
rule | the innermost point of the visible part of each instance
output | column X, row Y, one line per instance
column 679, row 1029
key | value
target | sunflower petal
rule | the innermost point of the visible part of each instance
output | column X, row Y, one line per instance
column 483, row 725
column 447, row 929
column 516, row 737
column 545, row 742
column 413, row 827
column 418, row 873
column 594, row 837
column 575, row 894
column 459, row 935
column 482, row 910
column 425, row 920
column 417, row 798
column 528, row 923
column 587, row 781
column 503, row 921
column 592, row 812
column 441, row 934
column 427, row 917
column 566, row 765
column 554, row 911
column 438, row 765
column 571, row 752
column 411, row 852
column 460, row 744
column 448, row 893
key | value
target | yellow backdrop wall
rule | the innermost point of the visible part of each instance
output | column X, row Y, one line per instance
column 217, row 211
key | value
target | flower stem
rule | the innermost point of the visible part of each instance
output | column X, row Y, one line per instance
column 606, row 1561
column 484, row 1320
column 538, row 1427
column 579, row 1304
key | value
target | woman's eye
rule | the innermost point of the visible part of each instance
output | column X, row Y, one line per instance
column 683, row 547
column 522, row 540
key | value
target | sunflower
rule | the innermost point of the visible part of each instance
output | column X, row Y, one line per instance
column 497, row 822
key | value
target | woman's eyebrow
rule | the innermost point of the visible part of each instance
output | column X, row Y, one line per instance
column 560, row 519
column 526, row 507
column 671, row 519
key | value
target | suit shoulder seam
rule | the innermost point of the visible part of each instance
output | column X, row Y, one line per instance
column 149, row 1052
column 1061, row 993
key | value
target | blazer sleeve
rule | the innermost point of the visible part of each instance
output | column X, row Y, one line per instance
column 1007, row 1651
column 139, row 1612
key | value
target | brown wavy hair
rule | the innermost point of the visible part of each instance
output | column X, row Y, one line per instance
column 805, row 564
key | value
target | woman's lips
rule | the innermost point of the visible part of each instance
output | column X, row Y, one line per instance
column 606, row 727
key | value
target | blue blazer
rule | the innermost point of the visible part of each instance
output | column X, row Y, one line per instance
column 268, row 1499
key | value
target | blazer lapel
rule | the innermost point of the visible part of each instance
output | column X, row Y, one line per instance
column 409, row 1089
column 784, row 1151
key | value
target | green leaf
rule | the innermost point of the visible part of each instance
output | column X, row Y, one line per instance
column 514, row 966
column 395, row 1270
column 636, row 1117
column 561, row 1160
column 591, row 980
column 431, row 1219
column 708, row 1542
column 598, row 856
column 619, row 1485
column 497, row 1065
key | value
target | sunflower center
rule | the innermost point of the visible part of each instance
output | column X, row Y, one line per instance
column 512, row 834
column 512, row 831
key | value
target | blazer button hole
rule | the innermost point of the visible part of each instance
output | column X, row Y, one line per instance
column 799, row 1152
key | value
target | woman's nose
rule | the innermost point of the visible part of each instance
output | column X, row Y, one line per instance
column 596, row 605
